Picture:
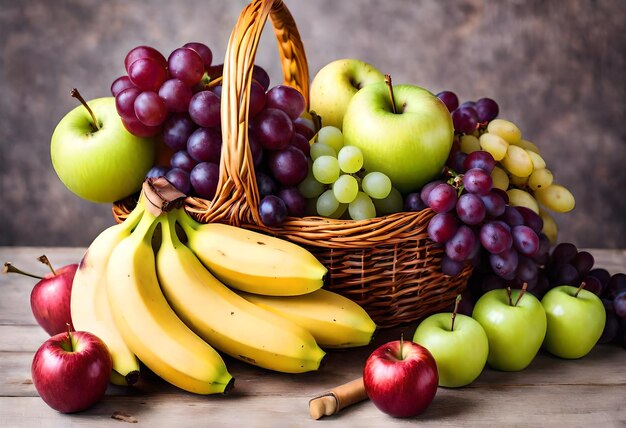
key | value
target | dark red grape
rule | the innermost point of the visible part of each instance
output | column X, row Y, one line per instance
column 527, row 269
column 428, row 187
column 563, row 253
column 182, row 160
column 449, row 99
column 205, row 145
column 180, row 179
column 451, row 267
column 304, row 126
column 480, row 159
column 566, row 274
column 442, row 227
column 255, row 148
column 619, row 304
column 272, row 210
column 542, row 256
column 486, row 109
column 593, row 284
column 300, row 142
column 469, row 105
column 147, row 74
column 287, row 99
column 413, row 202
column 157, row 171
column 611, row 329
column 465, row 120
column 185, row 64
column 176, row 94
column 460, row 246
column 442, row 198
column 274, row 129
column 257, row 99
column 583, row 262
column 512, row 216
column 477, row 181
column 617, row 284
column 265, row 184
column 495, row 238
column 150, row 108
column 289, row 166
column 505, row 263
column 204, row 109
column 531, row 219
column 204, row 178
column 203, row 50
column 502, row 194
column 138, row 129
column 470, row 209
column 125, row 102
column 261, row 76
column 119, row 84
column 603, row 276
column 492, row 282
column 525, row 240
column 293, row 199
column 176, row 131
column 141, row 52
column 456, row 161
column 494, row 204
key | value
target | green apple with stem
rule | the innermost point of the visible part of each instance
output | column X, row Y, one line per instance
column 457, row 342
column 515, row 323
column 576, row 319
column 404, row 131
column 335, row 84
column 95, row 156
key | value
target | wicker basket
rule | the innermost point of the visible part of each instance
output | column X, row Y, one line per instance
column 386, row 264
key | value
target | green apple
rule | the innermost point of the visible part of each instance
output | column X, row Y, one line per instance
column 515, row 323
column 576, row 319
column 334, row 86
column 459, row 345
column 409, row 141
column 104, row 163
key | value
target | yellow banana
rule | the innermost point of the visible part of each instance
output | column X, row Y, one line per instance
column 251, row 261
column 333, row 320
column 148, row 324
column 225, row 320
column 89, row 303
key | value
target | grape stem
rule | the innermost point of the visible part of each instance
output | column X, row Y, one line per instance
column 391, row 97
column 9, row 268
column 43, row 259
column 580, row 287
column 456, row 308
column 74, row 92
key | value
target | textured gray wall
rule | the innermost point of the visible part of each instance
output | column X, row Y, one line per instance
column 557, row 68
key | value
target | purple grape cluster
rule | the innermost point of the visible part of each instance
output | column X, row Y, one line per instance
column 469, row 115
column 170, row 98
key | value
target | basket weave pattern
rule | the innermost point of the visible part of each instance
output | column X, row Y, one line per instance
column 386, row 264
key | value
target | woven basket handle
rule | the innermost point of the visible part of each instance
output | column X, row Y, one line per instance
column 237, row 198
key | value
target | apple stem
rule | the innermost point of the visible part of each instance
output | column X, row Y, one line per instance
column 317, row 121
column 9, row 268
column 43, row 259
column 69, row 336
column 74, row 92
column 456, row 308
column 390, row 86
column 402, row 346
column 521, row 293
column 580, row 287
column 508, row 293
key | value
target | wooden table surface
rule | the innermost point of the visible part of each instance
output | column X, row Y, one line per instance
column 550, row 392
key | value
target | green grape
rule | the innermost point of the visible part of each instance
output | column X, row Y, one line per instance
column 538, row 161
column 505, row 129
column 500, row 178
column 331, row 136
column 326, row 169
column 556, row 198
column 540, row 179
column 310, row 187
column 350, row 159
column 377, row 185
column 345, row 188
column 393, row 203
column 469, row 143
column 494, row 144
column 517, row 161
column 326, row 204
column 521, row 198
column 362, row 207
column 339, row 211
column 321, row 149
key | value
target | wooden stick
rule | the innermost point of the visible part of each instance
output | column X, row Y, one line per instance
column 337, row 399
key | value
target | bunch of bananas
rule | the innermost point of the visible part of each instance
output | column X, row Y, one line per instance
column 174, row 305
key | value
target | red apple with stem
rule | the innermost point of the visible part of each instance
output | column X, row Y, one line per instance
column 401, row 378
column 71, row 370
column 50, row 297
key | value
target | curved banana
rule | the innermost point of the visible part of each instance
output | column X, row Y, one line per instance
column 148, row 324
column 251, row 261
column 334, row 320
column 225, row 320
column 89, row 303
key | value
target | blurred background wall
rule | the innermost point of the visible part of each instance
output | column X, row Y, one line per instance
column 557, row 69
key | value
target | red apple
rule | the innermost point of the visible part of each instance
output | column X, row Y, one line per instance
column 50, row 297
column 401, row 378
column 71, row 371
